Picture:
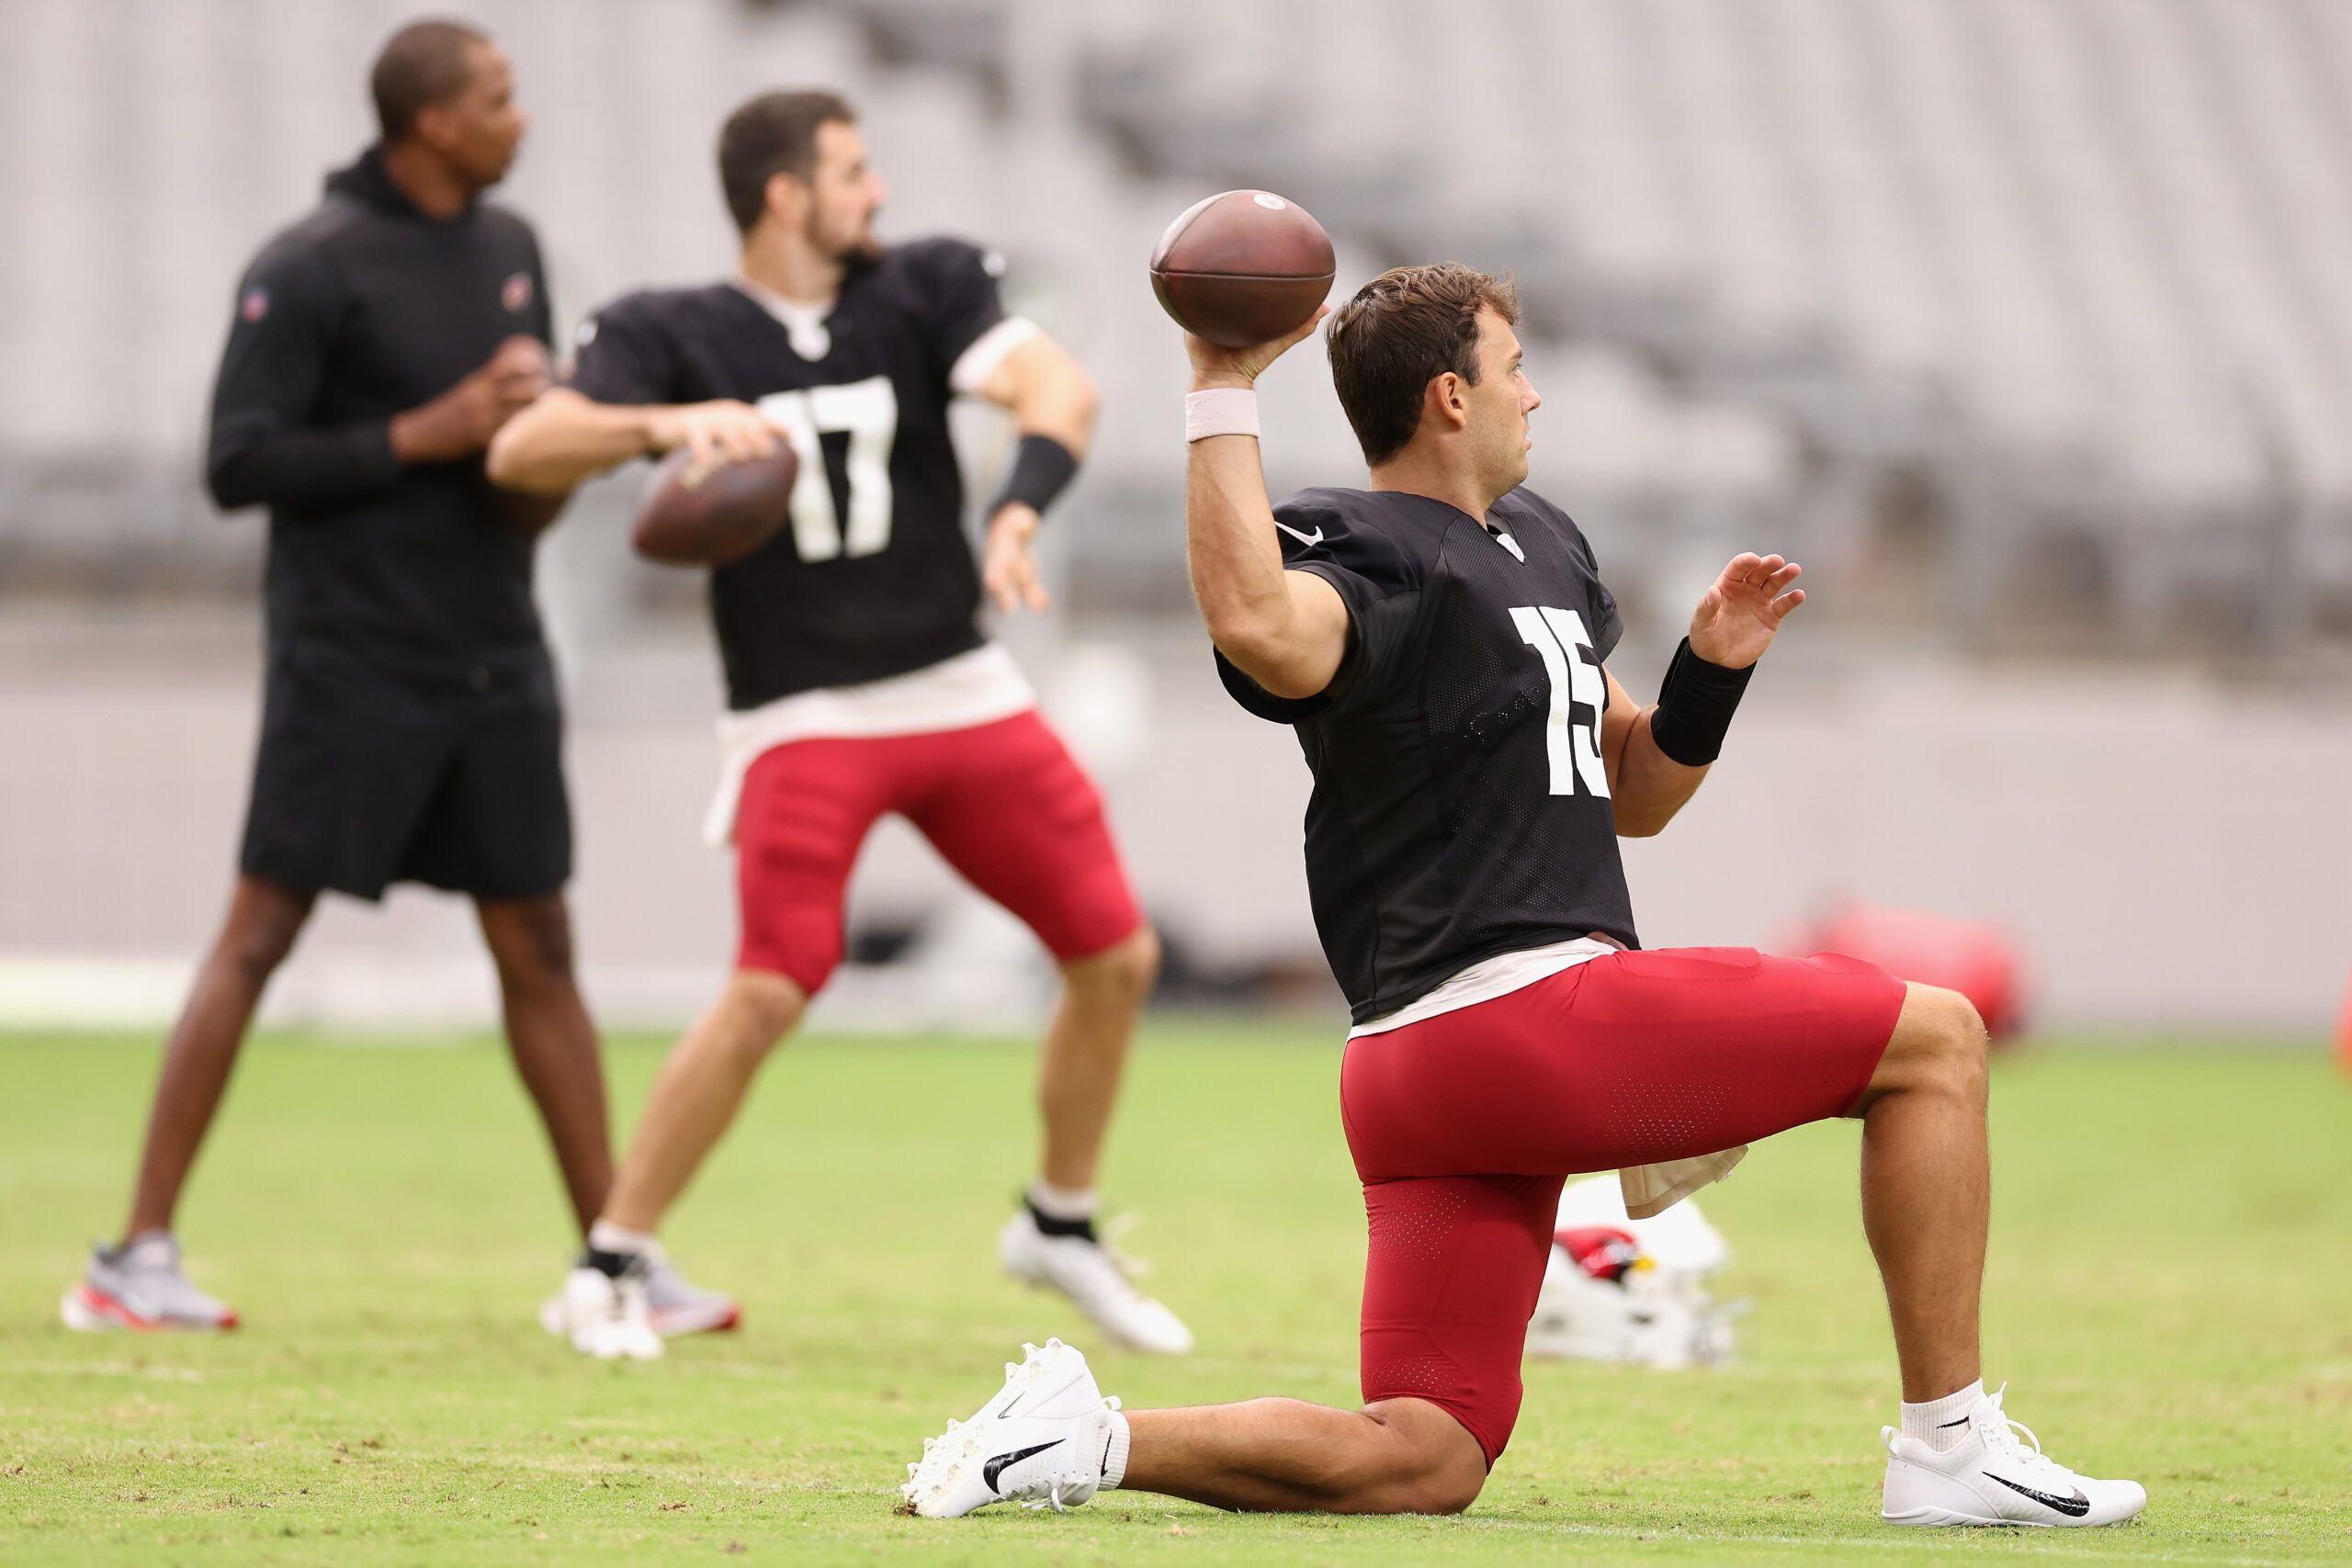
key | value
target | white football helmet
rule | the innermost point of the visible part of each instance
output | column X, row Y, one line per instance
column 1625, row 1289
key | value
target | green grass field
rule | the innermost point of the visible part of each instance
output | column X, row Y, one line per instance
column 2171, row 1292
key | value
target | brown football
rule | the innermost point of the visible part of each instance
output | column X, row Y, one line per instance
column 1242, row 268
column 714, row 513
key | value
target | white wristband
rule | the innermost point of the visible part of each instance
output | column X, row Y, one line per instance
column 1220, row 411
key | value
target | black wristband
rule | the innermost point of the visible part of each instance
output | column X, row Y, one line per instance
column 1042, row 468
column 1695, row 703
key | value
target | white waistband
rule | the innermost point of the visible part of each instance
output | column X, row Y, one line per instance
column 974, row 688
column 1490, row 978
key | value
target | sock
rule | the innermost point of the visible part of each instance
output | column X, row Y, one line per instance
column 611, row 1248
column 136, row 1239
column 1942, row 1423
column 1062, row 1210
column 1114, row 1459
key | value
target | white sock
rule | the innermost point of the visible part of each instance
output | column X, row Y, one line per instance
column 1942, row 1423
column 1115, row 1461
column 607, row 1237
column 1063, row 1202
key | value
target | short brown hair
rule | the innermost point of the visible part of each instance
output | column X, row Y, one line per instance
column 1400, row 331
column 424, row 63
column 773, row 134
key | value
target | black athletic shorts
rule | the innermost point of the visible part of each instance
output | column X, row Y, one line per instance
column 451, row 777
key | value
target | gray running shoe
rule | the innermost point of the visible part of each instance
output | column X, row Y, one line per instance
column 139, row 1286
column 680, row 1306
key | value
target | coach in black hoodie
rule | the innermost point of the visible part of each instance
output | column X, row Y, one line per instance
column 410, row 730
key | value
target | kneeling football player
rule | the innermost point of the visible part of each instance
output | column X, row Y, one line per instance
column 1437, row 641
column 858, row 677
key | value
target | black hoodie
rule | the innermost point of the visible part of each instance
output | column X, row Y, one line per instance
column 367, row 308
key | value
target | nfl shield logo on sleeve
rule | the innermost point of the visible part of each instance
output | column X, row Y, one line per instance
column 255, row 305
column 516, row 294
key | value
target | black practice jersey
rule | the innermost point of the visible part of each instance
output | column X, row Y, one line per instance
column 873, row 575
column 365, row 309
column 1461, row 808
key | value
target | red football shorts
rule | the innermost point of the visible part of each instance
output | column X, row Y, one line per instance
column 1004, row 803
column 1465, row 1125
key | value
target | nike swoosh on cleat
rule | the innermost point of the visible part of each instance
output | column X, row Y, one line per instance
column 2074, row 1507
column 1314, row 538
column 996, row 1467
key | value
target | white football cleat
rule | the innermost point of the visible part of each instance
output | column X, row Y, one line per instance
column 605, row 1315
column 1991, row 1478
column 1046, row 1440
column 1092, row 1277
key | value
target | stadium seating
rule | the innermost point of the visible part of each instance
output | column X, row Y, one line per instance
column 2076, row 271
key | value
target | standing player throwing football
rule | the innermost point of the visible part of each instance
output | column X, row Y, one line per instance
column 857, row 676
column 1438, row 640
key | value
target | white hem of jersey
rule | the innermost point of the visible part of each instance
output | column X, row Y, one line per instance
column 970, row 689
column 1485, row 980
column 977, row 363
column 1648, row 1189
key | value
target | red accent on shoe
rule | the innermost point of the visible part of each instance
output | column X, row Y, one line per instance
column 117, row 1312
column 104, row 1305
column 663, row 1322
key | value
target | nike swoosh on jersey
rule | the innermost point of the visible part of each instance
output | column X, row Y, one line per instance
column 2074, row 1507
column 996, row 1467
column 1314, row 538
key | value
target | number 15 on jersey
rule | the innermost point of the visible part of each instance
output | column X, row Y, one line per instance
column 1560, row 640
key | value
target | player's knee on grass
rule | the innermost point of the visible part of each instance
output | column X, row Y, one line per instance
column 1444, row 1491
column 1125, row 972
column 1939, row 1044
column 1434, row 1465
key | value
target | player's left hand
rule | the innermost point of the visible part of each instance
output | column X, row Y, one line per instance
column 1738, row 617
column 1009, row 565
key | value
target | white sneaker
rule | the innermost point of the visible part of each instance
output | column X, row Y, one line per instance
column 675, row 1304
column 1991, row 1478
column 604, row 1316
column 1093, row 1276
column 1046, row 1440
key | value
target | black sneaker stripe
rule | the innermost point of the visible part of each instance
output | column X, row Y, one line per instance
column 2074, row 1507
column 997, row 1466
